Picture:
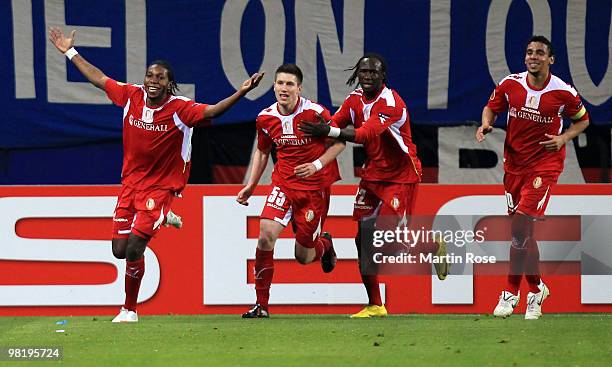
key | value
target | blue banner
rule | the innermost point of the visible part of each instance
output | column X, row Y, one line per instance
column 444, row 57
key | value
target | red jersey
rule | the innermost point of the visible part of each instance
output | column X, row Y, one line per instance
column 531, row 114
column 292, row 148
column 156, row 141
column 382, row 125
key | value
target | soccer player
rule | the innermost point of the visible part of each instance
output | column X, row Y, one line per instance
column 392, row 170
column 301, row 180
column 534, row 152
column 157, row 128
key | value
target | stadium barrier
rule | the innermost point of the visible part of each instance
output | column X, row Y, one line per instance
column 55, row 256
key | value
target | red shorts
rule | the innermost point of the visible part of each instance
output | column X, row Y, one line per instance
column 384, row 199
column 140, row 212
column 529, row 193
column 306, row 209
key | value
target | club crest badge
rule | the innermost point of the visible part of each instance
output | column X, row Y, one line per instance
column 532, row 101
column 395, row 203
column 287, row 125
column 150, row 204
column 537, row 182
column 309, row 215
column 147, row 115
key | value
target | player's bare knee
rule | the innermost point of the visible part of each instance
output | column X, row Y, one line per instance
column 134, row 253
column 301, row 258
column 119, row 246
column 269, row 230
column 266, row 241
column 119, row 253
column 304, row 254
column 136, row 246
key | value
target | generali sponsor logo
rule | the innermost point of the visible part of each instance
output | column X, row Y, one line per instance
column 533, row 115
column 290, row 139
column 148, row 126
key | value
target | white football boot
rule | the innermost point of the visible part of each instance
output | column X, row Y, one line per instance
column 126, row 315
column 173, row 220
column 507, row 303
column 534, row 302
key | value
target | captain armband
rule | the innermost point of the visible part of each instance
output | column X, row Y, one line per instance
column 579, row 115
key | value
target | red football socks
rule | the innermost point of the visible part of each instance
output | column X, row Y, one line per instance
column 134, row 271
column 527, row 261
column 369, row 281
column 264, row 271
column 517, row 266
column 372, row 287
column 532, row 266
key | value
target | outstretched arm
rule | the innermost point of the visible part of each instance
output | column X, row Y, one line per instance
column 375, row 125
column 309, row 169
column 321, row 128
column 486, row 126
column 260, row 161
column 63, row 44
column 221, row 107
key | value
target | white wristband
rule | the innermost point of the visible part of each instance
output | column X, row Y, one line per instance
column 334, row 132
column 70, row 53
column 318, row 165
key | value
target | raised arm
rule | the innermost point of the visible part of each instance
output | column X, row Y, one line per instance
column 259, row 163
column 309, row 169
column 486, row 126
column 220, row 107
column 65, row 45
column 374, row 126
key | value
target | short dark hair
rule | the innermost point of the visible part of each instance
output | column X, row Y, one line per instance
column 369, row 55
column 292, row 69
column 172, row 86
column 544, row 40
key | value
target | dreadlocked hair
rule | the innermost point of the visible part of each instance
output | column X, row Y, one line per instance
column 355, row 68
column 172, row 86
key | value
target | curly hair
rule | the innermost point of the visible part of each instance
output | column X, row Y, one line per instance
column 172, row 86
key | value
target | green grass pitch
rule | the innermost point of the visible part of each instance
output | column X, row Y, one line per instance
column 318, row 340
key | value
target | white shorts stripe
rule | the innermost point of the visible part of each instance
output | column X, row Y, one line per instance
column 160, row 220
column 284, row 221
